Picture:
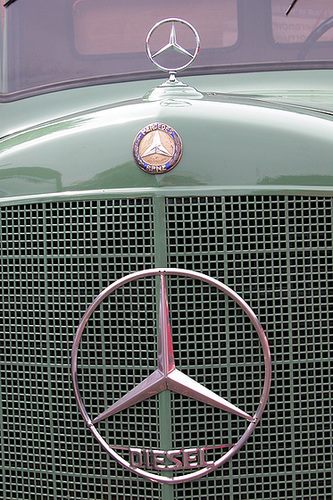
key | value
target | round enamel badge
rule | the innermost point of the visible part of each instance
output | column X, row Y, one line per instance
column 157, row 148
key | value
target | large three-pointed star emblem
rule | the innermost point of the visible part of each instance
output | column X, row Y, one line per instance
column 167, row 376
column 152, row 463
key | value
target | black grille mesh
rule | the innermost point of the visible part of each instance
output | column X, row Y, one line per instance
column 275, row 251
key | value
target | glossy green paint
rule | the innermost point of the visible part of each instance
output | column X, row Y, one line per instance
column 253, row 131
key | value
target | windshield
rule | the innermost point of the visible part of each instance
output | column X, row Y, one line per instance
column 51, row 44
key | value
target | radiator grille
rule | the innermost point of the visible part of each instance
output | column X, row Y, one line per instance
column 55, row 258
column 275, row 251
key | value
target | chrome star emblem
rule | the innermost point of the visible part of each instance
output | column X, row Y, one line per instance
column 166, row 376
column 151, row 463
column 173, row 45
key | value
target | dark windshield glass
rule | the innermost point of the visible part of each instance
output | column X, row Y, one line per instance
column 46, row 43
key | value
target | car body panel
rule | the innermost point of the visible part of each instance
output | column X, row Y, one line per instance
column 270, row 139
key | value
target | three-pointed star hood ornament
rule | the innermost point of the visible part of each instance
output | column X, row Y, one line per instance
column 167, row 377
column 173, row 45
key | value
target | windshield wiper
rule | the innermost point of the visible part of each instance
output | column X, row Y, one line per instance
column 291, row 6
column 7, row 4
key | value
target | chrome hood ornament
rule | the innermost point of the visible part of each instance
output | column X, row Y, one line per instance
column 173, row 45
column 168, row 377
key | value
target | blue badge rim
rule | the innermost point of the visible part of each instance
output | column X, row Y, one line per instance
column 157, row 169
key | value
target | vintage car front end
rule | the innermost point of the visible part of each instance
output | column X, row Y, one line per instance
column 163, row 234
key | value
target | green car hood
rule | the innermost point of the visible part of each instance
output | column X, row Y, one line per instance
column 245, row 137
